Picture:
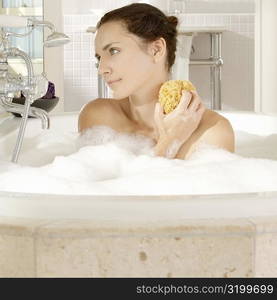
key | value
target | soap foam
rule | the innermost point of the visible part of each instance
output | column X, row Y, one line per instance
column 103, row 161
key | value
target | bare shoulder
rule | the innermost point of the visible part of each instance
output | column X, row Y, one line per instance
column 96, row 112
column 215, row 121
column 211, row 117
column 214, row 129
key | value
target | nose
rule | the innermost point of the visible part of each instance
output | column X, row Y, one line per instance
column 103, row 68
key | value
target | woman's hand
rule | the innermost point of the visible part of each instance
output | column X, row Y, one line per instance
column 177, row 126
column 183, row 120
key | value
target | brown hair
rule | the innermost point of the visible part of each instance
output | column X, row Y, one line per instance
column 148, row 23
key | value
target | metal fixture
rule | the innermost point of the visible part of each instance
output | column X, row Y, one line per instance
column 55, row 39
column 215, row 62
column 11, row 84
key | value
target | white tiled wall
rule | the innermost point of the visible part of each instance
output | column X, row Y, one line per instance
column 238, row 54
column 85, row 6
column 80, row 75
column 220, row 6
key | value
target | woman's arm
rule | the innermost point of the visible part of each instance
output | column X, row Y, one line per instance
column 216, row 131
column 167, row 147
column 175, row 128
column 179, row 139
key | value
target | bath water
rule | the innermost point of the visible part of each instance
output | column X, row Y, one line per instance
column 105, row 162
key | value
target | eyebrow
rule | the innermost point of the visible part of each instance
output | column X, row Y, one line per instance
column 106, row 47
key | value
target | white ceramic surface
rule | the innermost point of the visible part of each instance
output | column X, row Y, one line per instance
column 166, row 207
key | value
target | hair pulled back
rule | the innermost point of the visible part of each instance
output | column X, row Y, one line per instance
column 147, row 22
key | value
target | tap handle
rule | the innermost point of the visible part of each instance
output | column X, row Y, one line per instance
column 13, row 21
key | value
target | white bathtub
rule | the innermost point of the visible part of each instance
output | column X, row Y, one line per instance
column 134, row 207
column 215, row 235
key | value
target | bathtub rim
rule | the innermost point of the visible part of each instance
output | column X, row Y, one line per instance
column 137, row 208
column 250, row 112
column 76, row 113
column 133, row 197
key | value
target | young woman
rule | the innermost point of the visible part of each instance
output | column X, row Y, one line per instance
column 135, row 47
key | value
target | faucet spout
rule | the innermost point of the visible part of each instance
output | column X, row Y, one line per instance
column 42, row 115
column 33, row 111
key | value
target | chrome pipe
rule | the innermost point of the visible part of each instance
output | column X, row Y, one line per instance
column 102, row 88
column 29, row 99
column 33, row 112
column 207, row 62
column 21, row 132
column 213, row 71
column 29, row 65
column 219, row 71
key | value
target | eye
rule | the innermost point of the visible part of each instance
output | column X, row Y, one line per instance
column 113, row 51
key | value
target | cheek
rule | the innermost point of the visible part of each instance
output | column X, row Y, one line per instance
column 138, row 69
column 142, row 64
column 134, row 71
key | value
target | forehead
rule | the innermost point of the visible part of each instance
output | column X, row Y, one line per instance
column 113, row 32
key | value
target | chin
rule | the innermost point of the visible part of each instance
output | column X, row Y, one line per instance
column 117, row 94
column 124, row 90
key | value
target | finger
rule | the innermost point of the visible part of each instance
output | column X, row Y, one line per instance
column 185, row 100
column 159, row 111
column 198, row 100
column 194, row 104
column 158, row 117
column 201, row 108
column 156, row 113
column 194, row 92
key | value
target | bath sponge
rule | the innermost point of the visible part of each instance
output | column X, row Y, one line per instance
column 170, row 93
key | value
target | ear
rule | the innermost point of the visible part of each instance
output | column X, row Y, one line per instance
column 158, row 49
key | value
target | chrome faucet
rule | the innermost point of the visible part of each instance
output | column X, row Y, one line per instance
column 11, row 84
column 33, row 112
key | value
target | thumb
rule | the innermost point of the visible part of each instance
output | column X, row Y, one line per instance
column 158, row 117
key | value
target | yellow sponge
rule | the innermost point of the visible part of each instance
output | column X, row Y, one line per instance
column 170, row 93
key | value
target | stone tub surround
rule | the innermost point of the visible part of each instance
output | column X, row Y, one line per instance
column 234, row 247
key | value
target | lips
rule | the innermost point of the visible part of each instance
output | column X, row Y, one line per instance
column 113, row 81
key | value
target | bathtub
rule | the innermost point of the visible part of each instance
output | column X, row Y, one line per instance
column 213, row 235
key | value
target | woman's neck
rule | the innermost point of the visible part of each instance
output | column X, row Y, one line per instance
column 142, row 104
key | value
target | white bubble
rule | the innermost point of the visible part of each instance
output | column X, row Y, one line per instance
column 103, row 161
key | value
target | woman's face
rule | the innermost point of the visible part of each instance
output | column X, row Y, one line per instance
column 124, row 65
